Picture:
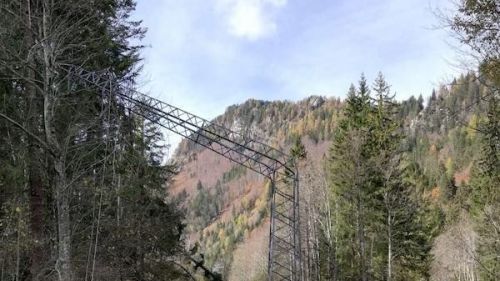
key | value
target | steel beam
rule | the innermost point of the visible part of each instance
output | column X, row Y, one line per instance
column 284, row 236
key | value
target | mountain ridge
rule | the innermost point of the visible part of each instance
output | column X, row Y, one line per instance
column 233, row 201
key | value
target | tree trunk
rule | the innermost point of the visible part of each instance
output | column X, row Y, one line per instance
column 34, row 155
column 62, row 190
column 307, row 262
column 389, row 247
column 36, row 223
column 18, row 254
column 333, row 233
column 63, row 264
column 332, row 264
column 362, row 243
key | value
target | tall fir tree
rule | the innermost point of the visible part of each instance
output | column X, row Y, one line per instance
column 348, row 179
column 378, row 233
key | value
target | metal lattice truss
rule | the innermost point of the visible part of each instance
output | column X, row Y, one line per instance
column 284, row 243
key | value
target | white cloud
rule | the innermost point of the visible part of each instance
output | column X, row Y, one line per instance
column 250, row 19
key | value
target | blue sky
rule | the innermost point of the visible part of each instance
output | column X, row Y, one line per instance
column 204, row 55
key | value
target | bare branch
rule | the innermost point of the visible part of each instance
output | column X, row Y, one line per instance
column 30, row 134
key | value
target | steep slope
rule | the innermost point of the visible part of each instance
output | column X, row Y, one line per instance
column 227, row 205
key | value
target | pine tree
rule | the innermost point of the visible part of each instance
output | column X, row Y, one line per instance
column 348, row 179
column 404, row 244
column 298, row 150
column 378, row 231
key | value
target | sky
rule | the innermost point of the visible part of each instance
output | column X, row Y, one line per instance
column 204, row 55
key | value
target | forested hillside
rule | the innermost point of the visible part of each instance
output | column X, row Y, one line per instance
column 390, row 188
column 383, row 182
column 227, row 204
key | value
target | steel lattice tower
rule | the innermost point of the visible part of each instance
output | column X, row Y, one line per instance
column 284, row 237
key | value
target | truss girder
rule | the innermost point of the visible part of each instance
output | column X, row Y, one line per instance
column 284, row 243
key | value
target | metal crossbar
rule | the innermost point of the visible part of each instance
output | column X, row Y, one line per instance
column 284, row 237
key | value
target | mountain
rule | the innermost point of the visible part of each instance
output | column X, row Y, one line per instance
column 227, row 206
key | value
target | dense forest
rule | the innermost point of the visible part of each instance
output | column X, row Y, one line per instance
column 81, row 179
column 390, row 189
